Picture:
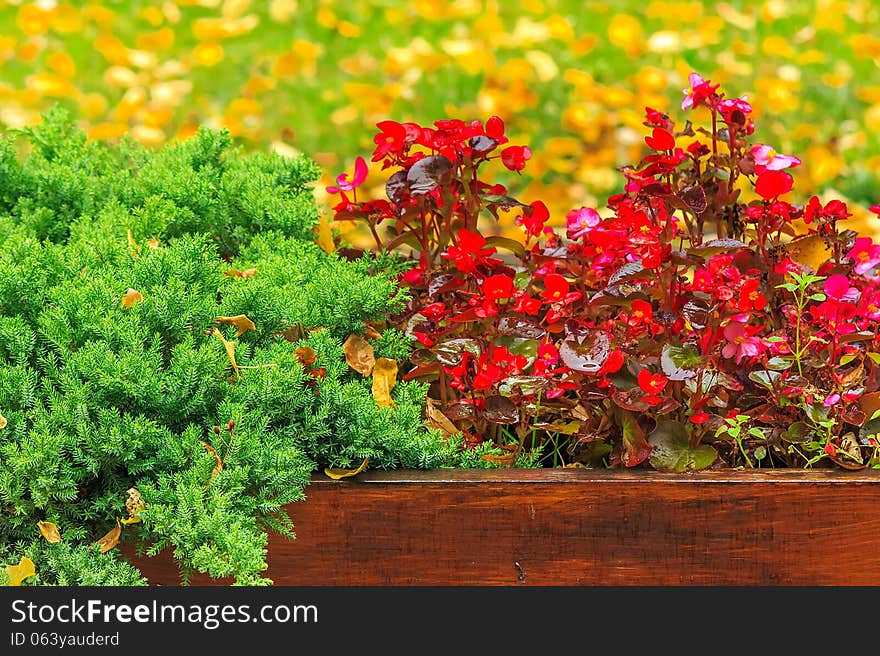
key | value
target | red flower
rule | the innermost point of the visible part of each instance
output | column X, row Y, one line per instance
column 699, row 418
column 640, row 312
column 525, row 304
column 495, row 128
column 555, row 288
column 660, row 139
column 391, row 139
column 534, row 218
column 612, row 364
column 750, row 298
column 515, row 157
column 771, row 184
column 651, row 385
column 497, row 287
column 469, row 252
column 548, row 353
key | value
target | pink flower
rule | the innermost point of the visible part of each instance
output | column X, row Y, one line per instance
column 698, row 91
column 739, row 343
column 831, row 400
column 578, row 222
column 767, row 159
column 866, row 255
column 342, row 182
column 837, row 288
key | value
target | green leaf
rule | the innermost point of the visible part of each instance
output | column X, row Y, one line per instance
column 764, row 378
column 507, row 244
column 780, row 363
column 680, row 362
column 816, row 413
column 672, row 451
column 760, row 453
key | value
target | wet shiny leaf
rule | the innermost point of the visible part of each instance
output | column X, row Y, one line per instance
column 500, row 410
column 427, row 174
column 672, row 450
column 516, row 327
column 587, row 354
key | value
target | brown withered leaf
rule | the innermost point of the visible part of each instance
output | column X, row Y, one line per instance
column 230, row 351
column 111, row 539
column 240, row 321
column 131, row 297
column 384, row 380
column 435, row 419
column 359, row 355
column 218, row 467
column 235, row 273
column 371, row 332
column 49, row 531
column 869, row 404
column 306, row 356
column 18, row 573
column 338, row 472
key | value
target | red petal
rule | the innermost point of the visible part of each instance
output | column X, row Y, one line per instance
column 660, row 139
column 771, row 184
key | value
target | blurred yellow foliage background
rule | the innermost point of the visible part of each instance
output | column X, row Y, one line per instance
column 570, row 79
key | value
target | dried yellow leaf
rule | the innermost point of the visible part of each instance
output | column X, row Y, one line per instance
column 133, row 246
column 131, row 297
column 810, row 250
column 3, row 422
column 338, row 472
column 247, row 273
column 111, row 539
column 153, row 243
column 49, row 531
column 325, row 236
column 230, row 351
column 218, row 467
column 359, row 354
column 435, row 419
column 384, row 380
column 18, row 573
column 240, row 321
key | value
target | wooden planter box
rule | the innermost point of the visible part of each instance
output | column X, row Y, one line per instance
column 577, row 527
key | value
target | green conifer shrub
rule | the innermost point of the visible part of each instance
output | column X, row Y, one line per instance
column 116, row 373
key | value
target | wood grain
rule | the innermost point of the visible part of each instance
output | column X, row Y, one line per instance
column 577, row 527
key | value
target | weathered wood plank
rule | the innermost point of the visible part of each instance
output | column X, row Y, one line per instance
column 576, row 527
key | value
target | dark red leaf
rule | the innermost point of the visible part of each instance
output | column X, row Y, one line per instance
column 427, row 174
